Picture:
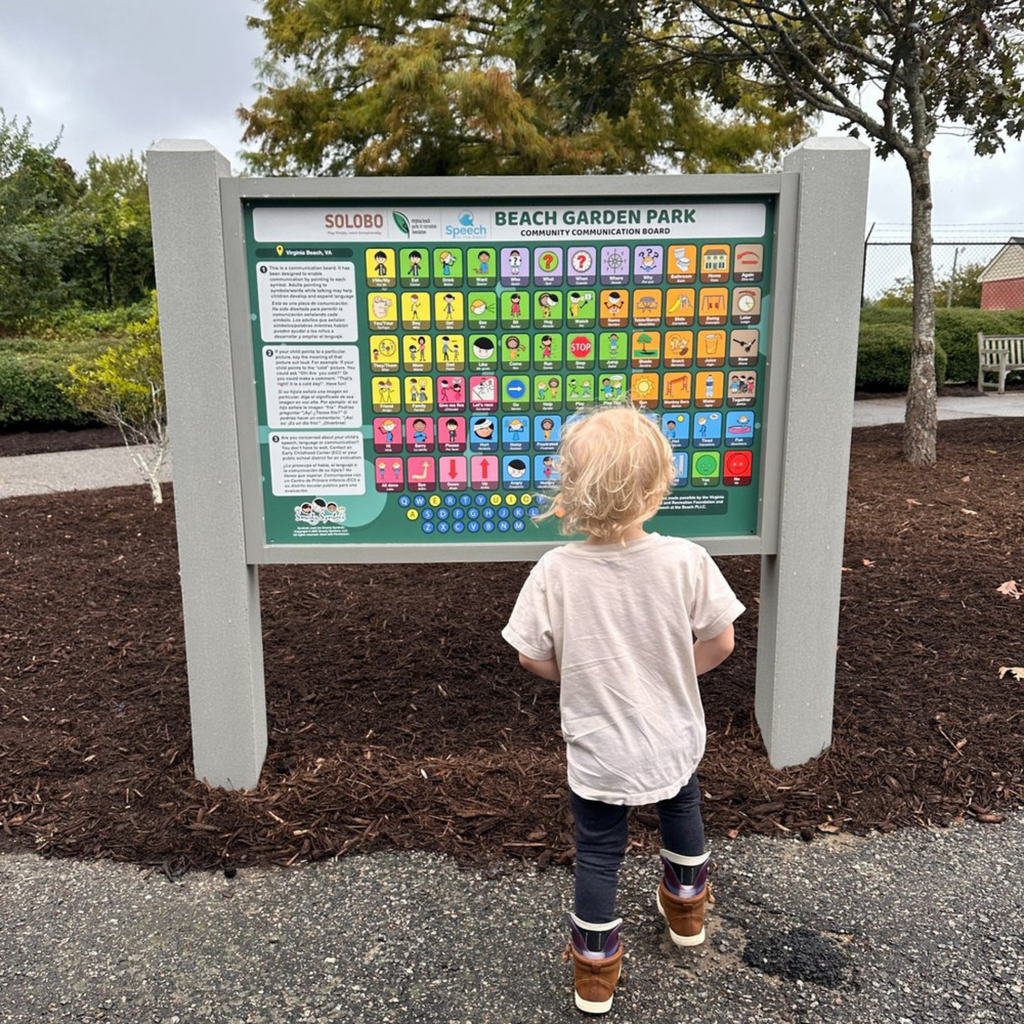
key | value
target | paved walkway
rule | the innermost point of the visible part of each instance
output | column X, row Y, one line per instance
column 870, row 412
column 916, row 927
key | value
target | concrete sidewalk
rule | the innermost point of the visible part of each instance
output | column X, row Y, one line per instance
column 871, row 412
column 113, row 467
column 57, row 472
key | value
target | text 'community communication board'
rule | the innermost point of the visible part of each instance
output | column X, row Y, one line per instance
column 415, row 364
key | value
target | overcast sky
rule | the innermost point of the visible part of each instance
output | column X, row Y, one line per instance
column 118, row 75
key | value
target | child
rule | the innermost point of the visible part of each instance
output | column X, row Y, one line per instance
column 613, row 619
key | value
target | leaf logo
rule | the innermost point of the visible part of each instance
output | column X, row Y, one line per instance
column 402, row 221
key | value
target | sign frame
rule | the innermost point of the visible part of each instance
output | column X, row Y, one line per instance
column 780, row 190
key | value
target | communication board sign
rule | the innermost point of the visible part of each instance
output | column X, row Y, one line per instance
column 414, row 362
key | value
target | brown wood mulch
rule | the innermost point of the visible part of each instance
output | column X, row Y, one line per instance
column 399, row 718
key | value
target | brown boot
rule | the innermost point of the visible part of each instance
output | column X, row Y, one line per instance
column 684, row 914
column 595, row 972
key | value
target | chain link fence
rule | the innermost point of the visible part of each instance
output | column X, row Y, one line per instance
column 958, row 251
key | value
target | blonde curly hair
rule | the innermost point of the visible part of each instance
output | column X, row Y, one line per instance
column 614, row 469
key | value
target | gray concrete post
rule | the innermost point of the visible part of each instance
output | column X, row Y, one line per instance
column 799, row 610
column 220, row 592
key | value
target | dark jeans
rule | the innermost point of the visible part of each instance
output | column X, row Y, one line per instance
column 602, row 831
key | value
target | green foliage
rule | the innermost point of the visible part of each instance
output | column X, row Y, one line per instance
column 440, row 87
column 113, row 263
column 928, row 63
column 959, row 289
column 37, row 191
column 883, row 358
column 65, row 240
column 33, row 373
column 957, row 331
column 886, row 336
column 124, row 385
column 73, row 322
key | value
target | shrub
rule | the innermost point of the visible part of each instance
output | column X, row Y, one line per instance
column 73, row 323
column 32, row 376
column 883, row 358
column 124, row 387
column 957, row 331
column 956, row 336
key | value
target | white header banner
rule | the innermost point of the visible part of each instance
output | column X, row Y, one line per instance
column 511, row 223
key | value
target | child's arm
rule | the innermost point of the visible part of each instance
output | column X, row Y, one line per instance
column 545, row 669
column 707, row 654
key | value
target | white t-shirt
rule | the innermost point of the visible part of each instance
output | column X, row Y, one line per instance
column 620, row 621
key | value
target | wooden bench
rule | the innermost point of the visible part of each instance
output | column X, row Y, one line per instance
column 999, row 354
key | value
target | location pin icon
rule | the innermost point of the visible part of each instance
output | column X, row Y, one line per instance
column 280, row 250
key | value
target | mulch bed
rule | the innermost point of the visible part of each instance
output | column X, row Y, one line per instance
column 399, row 718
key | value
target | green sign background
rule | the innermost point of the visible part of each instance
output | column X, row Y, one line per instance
column 704, row 382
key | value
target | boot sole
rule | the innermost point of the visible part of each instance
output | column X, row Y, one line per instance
column 677, row 939
column 591, row 1007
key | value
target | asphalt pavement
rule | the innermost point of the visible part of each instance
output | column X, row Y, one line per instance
column 916, row 927
column 920, row 926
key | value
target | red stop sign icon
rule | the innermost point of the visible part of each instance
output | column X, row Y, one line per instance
column 580, row 347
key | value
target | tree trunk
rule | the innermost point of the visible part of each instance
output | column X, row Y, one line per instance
column 921, row 422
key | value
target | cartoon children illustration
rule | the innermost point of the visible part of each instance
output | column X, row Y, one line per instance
column 648, row 260
column 415, row 262
column 380, row 263
column 447, row 261
column 483, row 429
column 483, row 349
column 515, row 262
column 483, row 263
column 614, row 304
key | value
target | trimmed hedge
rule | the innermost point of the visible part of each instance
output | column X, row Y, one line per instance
column 31, row 372
column 883, row 358
column 956, row 334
